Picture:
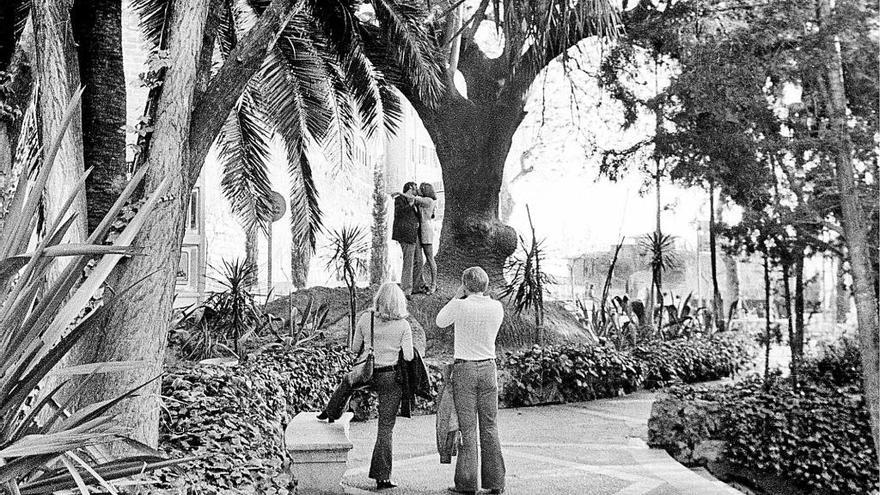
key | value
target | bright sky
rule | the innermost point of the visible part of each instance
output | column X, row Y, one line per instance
column 574, row 208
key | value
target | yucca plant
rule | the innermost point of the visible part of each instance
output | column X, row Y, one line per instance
column 44, row 447
column 528, row 282
column 348, row 262
column 661, row 248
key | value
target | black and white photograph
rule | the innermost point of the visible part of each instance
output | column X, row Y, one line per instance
column 437, row 247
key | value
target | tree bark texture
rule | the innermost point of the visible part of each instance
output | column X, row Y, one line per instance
column 797, row 346
column 855, row 225
column 98, row 30
column 137, row 328
column 57, row 74
column 300, row 260
column 842, row 294
column 767, row 322
column 472, row 141
column 786, row 286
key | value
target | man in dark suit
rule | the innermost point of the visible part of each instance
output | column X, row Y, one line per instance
column 405, row 230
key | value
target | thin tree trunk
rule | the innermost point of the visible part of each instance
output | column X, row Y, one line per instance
column 251, row 256
column 300, row 260
column 379, row 230
column 472, row 143
column 57, row 74
column 855, row 226
column 717, row 303
column 843, row 295
column 797, row 345
column 98, row 29
column 767, row 320
column 786, row 289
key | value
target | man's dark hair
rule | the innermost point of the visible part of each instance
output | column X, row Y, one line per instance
column 409, row 185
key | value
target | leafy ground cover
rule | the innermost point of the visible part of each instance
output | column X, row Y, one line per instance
column 575, row 372
column 817, row 437
column 234, row 416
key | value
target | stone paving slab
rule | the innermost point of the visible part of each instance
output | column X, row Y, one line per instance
column 589, row 448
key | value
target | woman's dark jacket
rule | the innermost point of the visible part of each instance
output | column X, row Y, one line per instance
column 414, row 380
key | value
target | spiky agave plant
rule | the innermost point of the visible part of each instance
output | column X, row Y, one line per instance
column 44, row 447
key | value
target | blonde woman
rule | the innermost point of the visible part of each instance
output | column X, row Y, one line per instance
column 391, row 333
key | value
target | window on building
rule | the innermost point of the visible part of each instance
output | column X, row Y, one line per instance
column 193, row 224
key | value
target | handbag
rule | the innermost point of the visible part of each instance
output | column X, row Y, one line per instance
column 361, row 374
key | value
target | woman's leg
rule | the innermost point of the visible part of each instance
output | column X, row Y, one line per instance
column 428, row 249
column 338, row 402
column 389, row 402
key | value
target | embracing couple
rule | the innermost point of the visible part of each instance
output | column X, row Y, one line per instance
column 413, row 228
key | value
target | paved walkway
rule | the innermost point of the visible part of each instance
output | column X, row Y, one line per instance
column 586, row 448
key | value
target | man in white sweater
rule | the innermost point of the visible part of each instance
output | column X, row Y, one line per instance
column 476, row 318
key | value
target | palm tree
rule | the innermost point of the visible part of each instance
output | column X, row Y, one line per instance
column 322, row 74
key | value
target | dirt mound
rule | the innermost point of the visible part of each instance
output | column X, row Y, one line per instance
column 517, row 331
column 336, row 326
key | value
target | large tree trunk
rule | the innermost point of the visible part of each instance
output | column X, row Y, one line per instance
column 57, row 74
column 188, row 119
column 137, row 328
column 98, row 29
column 472, row 142
column 856, row 231
column 15, row 99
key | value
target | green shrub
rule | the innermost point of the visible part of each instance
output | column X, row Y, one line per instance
column 692, row 360
column 839, row 364
column 235, row 416
column 574, row 372
column 818, row 437
column 569, row 373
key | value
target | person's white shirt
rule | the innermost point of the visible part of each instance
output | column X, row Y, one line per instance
column 476, row 321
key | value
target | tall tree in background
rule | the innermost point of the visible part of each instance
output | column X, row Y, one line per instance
column 472, row 127
column 762, row 94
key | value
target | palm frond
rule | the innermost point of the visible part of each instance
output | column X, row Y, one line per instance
column 403, row 26
column 291, row 116
column 154, row 16
column 244, row 156
column 227, row 37
column 341, row 32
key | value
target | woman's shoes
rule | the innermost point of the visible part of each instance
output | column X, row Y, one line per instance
column 384, row 484
column 324, row 416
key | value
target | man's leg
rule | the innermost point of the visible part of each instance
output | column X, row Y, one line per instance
column 492, row 469
column 464, row 392
column 406, row 273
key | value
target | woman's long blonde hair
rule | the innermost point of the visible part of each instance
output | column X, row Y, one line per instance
column 389, row 302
